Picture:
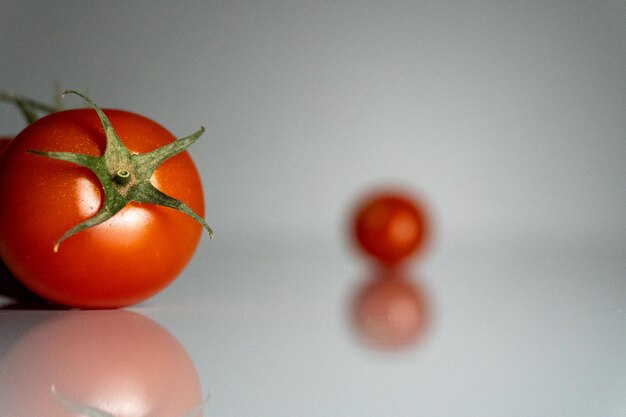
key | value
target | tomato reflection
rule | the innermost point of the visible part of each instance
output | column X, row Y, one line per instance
column 98, row 363
column 390, row 311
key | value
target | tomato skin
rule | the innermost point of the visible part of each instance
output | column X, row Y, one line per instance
column 390, row 226
column 4, row 143
column 9, row 286
column 120, row 262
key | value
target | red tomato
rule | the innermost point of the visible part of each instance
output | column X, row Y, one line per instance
column 14, row 289
column 390, row 226
column 4, row 142
column 9, row 286
column 4, row 274
column 120, row 262
column 117, row 362
column 390, row 311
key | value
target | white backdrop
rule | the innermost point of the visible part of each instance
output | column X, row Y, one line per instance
column 506, row 116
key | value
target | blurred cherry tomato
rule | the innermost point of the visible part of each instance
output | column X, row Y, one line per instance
column 390, row 226
column 390, row 311
column 106, row 363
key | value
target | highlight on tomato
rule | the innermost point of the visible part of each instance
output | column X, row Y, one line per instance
column 390, row 225
column 390, row 311
column 101, row 208
column 104, row 363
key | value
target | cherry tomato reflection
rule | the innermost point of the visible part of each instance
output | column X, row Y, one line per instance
column 98, row 363
column 390, row 311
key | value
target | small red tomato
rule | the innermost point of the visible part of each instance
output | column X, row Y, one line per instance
column 390, row 311
column 105, row 363
column 390, row 226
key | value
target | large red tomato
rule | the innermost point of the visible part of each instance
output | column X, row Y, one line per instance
column 122, row 261
column 106, row 363
column 390, row 226
column 4, row 274
column 9, row 286
column 4, row 142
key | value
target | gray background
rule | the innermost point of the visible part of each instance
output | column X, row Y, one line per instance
column 507, row 117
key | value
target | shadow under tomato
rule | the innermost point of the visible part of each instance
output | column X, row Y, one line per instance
column 98, row 363
column 20, row 297
column 390, row 310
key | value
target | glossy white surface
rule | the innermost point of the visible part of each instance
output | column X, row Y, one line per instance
column 517, row 328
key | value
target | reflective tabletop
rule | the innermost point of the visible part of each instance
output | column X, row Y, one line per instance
column 516, row 327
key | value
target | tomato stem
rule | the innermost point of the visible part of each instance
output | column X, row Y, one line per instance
column 122, row 177
column 29, row 107
column 130, row 180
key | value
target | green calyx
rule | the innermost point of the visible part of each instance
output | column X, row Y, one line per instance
column 124, row 176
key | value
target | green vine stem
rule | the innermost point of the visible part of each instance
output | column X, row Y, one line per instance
column 29, row 107
column 124, row 176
